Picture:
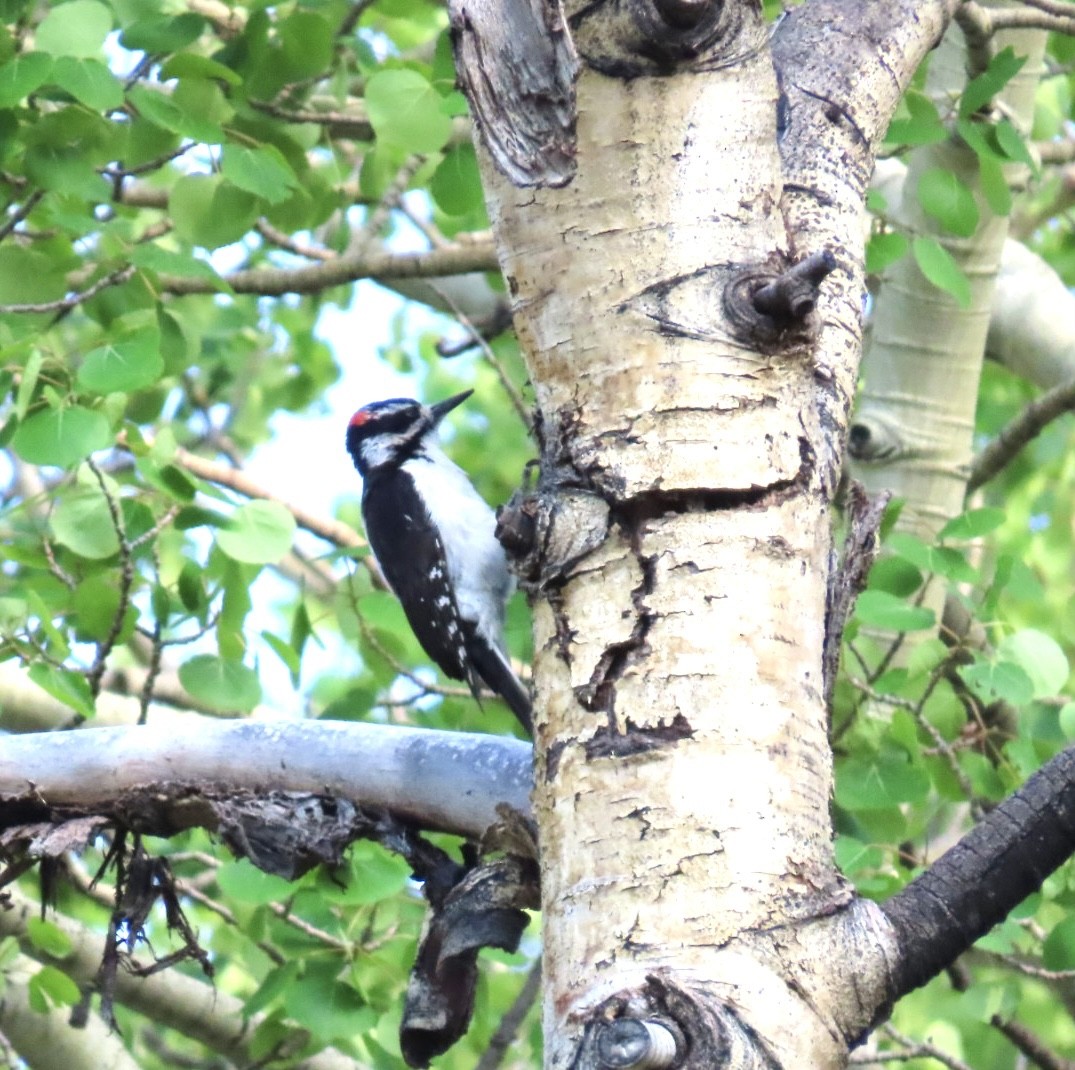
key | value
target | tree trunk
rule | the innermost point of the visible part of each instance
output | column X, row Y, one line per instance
column 690, row 438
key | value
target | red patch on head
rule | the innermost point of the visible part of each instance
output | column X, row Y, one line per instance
column 359, row 418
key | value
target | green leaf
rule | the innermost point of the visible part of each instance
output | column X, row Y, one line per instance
column 209, row 211
column 192, row 65
column 78, row 28
column 258, row 533
column 163, row 34
column 21, row 76
column 327, row 1007
column 884, row 250
column 165, row 111
column 50, row 987
column 1058, row 951
column 89, row 81
column 936, row 263
column 95, row 603
column 30, row 373
column 61, row 437
column 405, row 110
column 124, row 366
column 456, row 184
column 66, row 686
column 47, row 937
column 277, row 980
column 83, row 523
column 1067, row 720
column 286, row 653
column 944, row 197
column 191, row 589
column 262, row 171
column 306, row 41
column 881, row 782
column 374, row 874
column 1014, row 147
column 219, row 684
column 168, row 262
column 9, row 953
column 29, row 276
column 973, row 524
column 998, row 680
column 921, row 126
column 1041, row 658
column 1003, row 67
column 994, row 186
column 896, row 575
column 879, row 609
column 243, row 881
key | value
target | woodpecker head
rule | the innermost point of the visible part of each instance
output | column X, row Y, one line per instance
column 386, row 433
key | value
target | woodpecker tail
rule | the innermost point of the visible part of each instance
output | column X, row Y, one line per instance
column 497, row 675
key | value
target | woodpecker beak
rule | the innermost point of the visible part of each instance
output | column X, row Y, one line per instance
column 442, row 408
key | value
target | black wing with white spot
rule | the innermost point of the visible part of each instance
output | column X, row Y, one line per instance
column 412, row 558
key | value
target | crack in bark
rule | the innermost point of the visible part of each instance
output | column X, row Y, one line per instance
column 600, row 692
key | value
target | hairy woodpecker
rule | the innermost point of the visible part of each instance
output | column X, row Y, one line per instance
column 434, row 537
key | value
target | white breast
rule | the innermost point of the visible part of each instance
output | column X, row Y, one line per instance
column 477, row 564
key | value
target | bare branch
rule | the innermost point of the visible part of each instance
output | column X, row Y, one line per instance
column 456, row 259
column 512, row 1022
column 1023, row 429
column 1030, row 1045
column 115, row 278
column 452, row 781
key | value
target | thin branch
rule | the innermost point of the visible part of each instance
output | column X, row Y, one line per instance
column 909, row 1049
column 514, row 396
column 286, row 241
column 333, row 531
column 1030, row 1045
column 115, row 278
column 1023, row 429
column 457, row 259
column 363, row 237
column 976, row 883
column 126, row 579
column 512, row 1022
column 21, row 213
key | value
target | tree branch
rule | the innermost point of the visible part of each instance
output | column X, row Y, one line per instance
column 333, row 531
column 46, row 1040
column 1029, row 1045
column 977, row 883
column 192, row 1007
column 454, row 259
column 1023, row 429
column 450, row 781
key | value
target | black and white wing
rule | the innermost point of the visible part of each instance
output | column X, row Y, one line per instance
column 412, row 558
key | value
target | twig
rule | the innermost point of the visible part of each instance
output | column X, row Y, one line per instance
column 922, row 1049
column 126, row 579
column 379, row 215
column 510, row 389
column 333, row 531
column 456, row 259
column 1027, row 969
column 512, row 1021
column 65, row 304
column 21, row 213
column 292, row 245
column 1030, row 1045
column 1023, row 429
